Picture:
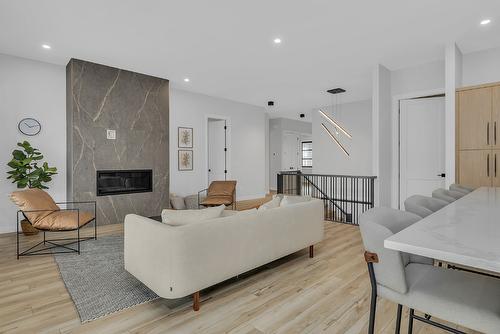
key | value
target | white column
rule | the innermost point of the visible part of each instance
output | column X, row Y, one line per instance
column 382, row 136
column 453, row 80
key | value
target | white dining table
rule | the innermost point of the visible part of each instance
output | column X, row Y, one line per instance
column 465, row 232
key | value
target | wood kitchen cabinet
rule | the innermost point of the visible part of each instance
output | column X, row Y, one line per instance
column 477, row 135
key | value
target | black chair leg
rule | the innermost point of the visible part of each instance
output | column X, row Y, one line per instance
column 398, row 319
column 373, row 311
column 410, row 321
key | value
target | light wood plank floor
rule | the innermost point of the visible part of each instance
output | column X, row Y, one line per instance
column 326, row 294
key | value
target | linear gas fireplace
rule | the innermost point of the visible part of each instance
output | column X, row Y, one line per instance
column 115, row 182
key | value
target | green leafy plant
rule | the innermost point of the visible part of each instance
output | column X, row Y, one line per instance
column 26, row 170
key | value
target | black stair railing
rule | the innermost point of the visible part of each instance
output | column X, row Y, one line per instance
column 345, row 197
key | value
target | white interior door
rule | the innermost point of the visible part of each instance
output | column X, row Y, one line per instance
column 290, row 152
column 422, row 152
column 216, row 152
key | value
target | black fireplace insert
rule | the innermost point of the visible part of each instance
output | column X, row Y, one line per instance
column 116, row 182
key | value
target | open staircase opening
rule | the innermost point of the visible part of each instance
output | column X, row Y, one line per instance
column 345, row 197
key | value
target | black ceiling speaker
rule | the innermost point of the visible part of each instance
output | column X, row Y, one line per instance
column 270, row 103
column 302, row 115
column 336, row 90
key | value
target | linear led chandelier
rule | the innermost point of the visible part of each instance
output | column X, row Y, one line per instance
column 335, row 123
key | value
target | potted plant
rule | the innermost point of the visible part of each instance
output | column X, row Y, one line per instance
column 29, row 171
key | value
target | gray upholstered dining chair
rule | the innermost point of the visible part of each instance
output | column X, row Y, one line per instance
column 423, row 205
column 460, row 188
column 466, row 299
column 447, row 195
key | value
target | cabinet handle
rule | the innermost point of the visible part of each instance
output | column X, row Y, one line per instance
column 495, row 133
column 488, row 133
column 488, row 165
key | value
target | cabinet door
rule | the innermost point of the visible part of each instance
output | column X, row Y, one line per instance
column 495, row 117
column 474, row 119
column 495, row 168
column 476, row 168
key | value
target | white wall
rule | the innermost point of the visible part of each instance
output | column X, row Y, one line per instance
column 453, row 73
column 38, row 90
column 481, row 67
column 246, row 138
column 356, row 117
column 423, row 77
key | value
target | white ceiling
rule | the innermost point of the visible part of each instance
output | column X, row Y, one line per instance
column 226, row 46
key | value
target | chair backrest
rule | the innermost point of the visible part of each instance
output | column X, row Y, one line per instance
column 221, row 188
column 423, row 205
column 460, row 188
column 34, row 199
column 376, row 225
column 446, row 195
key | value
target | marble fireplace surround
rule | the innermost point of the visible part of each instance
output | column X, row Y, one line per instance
column 136, row 106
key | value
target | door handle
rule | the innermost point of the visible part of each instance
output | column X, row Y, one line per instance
column 488, row 165
column 488, row 133
column 442, row 175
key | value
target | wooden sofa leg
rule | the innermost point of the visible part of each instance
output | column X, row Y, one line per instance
column 196, row 301
column 311, row 251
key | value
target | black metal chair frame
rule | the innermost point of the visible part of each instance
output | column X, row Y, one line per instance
column 233, row 205
column 372, row 258
column 54, row 243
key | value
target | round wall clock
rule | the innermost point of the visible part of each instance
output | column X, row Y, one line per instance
column 29, row 126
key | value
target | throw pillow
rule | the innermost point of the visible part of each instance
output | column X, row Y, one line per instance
column 183, row 217
column 291, row 200
column 177, row 202
column 274, row 203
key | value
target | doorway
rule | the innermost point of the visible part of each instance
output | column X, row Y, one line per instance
column 290, row 154
column 217, row 149
column 421, row 146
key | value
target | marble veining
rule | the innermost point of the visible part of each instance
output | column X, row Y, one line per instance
column 465, row 232
column 136, row 106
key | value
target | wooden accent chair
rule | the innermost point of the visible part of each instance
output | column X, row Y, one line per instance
column 218, row 193
column 40, row 210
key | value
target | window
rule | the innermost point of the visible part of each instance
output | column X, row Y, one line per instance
column 307, row 151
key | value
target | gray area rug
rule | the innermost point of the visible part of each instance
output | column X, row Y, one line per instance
column 97, row 281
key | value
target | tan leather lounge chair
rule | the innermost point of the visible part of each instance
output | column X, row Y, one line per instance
column 40, row 210
column 220, row 192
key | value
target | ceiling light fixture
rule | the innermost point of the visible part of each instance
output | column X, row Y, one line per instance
column 485, row 22
column 335, row 139
column 46, row 46
column 186, row 79
column 277, row 41
column 335, row 123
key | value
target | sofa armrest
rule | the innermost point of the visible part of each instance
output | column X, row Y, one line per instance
column 147, row 252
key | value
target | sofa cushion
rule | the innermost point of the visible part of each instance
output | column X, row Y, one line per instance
column 291, row 200
column 274, row 203
column 246, row 212
column 177, row 202
column 183, row 217
column 34, row 199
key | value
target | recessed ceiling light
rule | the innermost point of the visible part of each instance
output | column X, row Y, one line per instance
column 485, row 22
column 277, row 41
column 186, row 79
column 46, row 46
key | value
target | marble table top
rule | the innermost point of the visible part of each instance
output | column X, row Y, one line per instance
column 465, row 232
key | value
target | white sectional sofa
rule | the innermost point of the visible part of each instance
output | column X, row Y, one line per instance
column 176, row 261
